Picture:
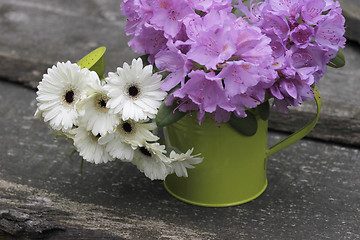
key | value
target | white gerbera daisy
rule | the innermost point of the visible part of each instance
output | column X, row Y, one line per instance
column 151, row 160
column 134, row 91
column 95, row 115
column 88, row 147
column 136, row 133
column 60, row 90
column 117, row 148
column 128, row 136
column 38, row 114
column 180, row 162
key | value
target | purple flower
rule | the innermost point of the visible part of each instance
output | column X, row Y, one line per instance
column 138, row 12
column 207, row 5
column 330, row 32
column 311, row 12
column 211, row 49
column 238, row 76
column 221, row 64
column 175, row 62
column 281, row 105
column 291, row 9
column 243, row 101
column 211, row 42
column 278, row 52
column 168, row 14
column 245, row 84
column 331, row 4
column 251, row 14
column 290, row 91
column 184, row 104
column 148, row 41
column 306, row 62
column 205, row 90
column 288, row 88
column 275, row 24
column 221, row 115
column 302, row 35
column 252, row 45
column 303, row 68
column 285, row 7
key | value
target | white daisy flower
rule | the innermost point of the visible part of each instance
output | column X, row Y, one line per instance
column 38, row 114
column 180, row 162
column 136, row 133
column 151, row 160
column 134, row 91
column 88, row 147
column 95, row 116
column 128, row 136
column 115, row 146
column 60, row 90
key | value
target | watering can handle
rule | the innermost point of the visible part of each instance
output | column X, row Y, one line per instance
column 299, row 134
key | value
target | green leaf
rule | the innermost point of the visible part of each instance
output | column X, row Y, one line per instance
column 94, row 61
column 144, row 58
column 163, row 74
column 338, row 61
column 168, row 115
column 245, row 126
column 299, row 20
column 264, row 110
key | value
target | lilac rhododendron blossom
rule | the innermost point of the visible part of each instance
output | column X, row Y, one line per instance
column 239, row 76
column 221, row 63
column 305, row 35
column 212, row 49
column 168, row 15
column 176, row 63
column 273, row 24
column 210, row 41
column 243, row 101
column 205, row 90
column 138, row 12
column 286, row 7
column 149, row 40
column 312, row 11
column 302, row 35
column 329, row 34
column 306, row 62
column 208, row 5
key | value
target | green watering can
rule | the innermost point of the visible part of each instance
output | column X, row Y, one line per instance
column 233, row 170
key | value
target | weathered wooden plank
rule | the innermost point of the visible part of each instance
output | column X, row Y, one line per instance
column 351, row 9
column 313, row 190
column 37, row 34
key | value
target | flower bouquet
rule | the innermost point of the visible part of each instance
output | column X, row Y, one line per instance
column 218, row 63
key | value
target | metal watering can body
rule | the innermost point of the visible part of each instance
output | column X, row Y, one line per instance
column 234, row 167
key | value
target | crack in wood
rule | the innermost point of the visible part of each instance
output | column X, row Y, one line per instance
column 17, row 222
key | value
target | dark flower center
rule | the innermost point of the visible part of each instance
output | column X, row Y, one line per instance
column 127, row 127
column 133, row 91
column 69, row 96
column 144, row 151
column 102, row 103
column 94, row 137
